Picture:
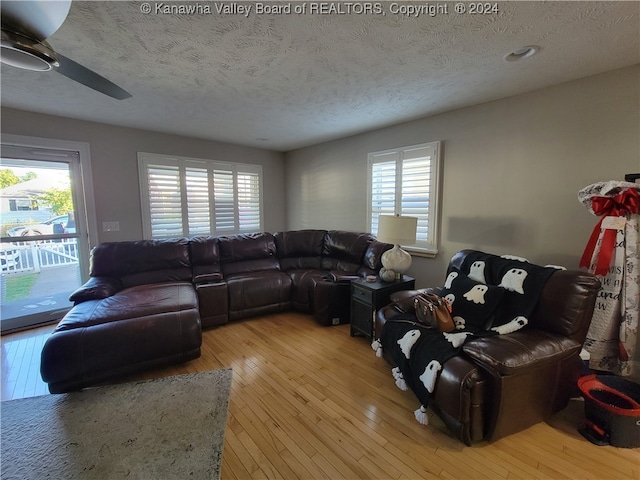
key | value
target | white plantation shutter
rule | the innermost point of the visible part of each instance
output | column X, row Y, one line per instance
column 224, row 201
column 187, row 197
column 405, row 182
column 165, row 200
column 383, row 188
column 248, row 185
column 416, row 188
column 198, row 218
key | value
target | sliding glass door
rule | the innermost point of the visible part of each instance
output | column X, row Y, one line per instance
column 43, row 234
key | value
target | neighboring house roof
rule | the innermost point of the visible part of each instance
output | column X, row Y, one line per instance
column 27, row 189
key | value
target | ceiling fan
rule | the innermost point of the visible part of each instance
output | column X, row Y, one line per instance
column 26, row 25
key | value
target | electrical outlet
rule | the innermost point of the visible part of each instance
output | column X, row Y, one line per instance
column 110, row 226
column 335, row 321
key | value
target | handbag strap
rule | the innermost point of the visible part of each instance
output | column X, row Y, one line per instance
column 415, row 324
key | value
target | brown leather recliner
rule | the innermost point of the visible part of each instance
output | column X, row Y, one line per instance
column 498, row 385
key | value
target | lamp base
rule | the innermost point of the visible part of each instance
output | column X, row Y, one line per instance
column 397, row 260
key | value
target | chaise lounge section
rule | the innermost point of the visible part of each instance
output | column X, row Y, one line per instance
column 147, row 301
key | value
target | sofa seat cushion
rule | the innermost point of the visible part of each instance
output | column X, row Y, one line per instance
column 251, row 290
column 139, row 301
column 136, row 329
column 520, row 351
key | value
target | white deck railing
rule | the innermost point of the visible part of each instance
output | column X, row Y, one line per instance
column 32, row 256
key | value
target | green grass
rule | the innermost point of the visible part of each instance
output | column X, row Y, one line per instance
column 19, row 287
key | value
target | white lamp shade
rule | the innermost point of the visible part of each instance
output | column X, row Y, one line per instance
column 397, row 230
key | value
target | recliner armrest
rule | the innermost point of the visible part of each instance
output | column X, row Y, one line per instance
column 531, row 374
column 338, row 276
column 213, row 303
column 96, row 288
column 207, row 278
column 518, row 351
column 404, row 299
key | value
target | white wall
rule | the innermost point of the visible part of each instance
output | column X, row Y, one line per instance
column 115, row 168
column 511, row 170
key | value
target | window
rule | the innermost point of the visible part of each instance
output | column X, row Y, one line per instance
column 22, row 204
column 405, row 181
column 183, row 197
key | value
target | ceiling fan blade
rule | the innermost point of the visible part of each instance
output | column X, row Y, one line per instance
column 35, row 19
column 83, row 75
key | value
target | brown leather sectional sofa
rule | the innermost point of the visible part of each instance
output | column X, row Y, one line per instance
column 146, row 301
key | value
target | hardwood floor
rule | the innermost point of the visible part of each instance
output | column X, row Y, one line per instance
column 20, row 356
column 313, row 402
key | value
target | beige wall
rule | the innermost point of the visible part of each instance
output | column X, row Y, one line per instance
column 511, row 170
column 114, row 165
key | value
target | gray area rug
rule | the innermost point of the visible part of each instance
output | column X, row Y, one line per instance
column 169, row 428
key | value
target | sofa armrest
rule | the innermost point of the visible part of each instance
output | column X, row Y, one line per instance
column 401, row 302
column 521, row 350
column 213, row 303
column 404, row 298
column 531, row 375
column 340, row 276
column 96, row 288
column 207, row 278
column 332, row 302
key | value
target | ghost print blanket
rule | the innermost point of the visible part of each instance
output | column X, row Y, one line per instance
column 489, row 295
column 418, row 353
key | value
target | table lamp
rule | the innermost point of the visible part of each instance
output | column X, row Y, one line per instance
column 397, row 230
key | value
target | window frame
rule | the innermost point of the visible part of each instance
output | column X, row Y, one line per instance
column 428, row 246
column 183, row 164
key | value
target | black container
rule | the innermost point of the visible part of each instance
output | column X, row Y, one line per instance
column 612, row 411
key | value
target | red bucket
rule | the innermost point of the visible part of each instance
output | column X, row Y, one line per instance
column 612, row 410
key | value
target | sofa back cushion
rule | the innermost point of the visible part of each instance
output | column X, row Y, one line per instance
column 143, row 261
column 250, row 252
column 300, row 249
column 205, row 259
column 345, row 250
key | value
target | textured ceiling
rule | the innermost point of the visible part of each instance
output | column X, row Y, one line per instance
column 286, row 81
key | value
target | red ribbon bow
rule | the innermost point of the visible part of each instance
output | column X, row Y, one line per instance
column 626, row 202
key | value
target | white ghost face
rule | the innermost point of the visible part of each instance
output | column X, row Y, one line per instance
column 456, row 339
column 476, row 272
column 513, row 280
column 460, row 323
column 476, row 294
column 430, row 375
column 452, row 276
column 408, row 341
column 514, row 257
column 450, row 298
column 514, row 325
